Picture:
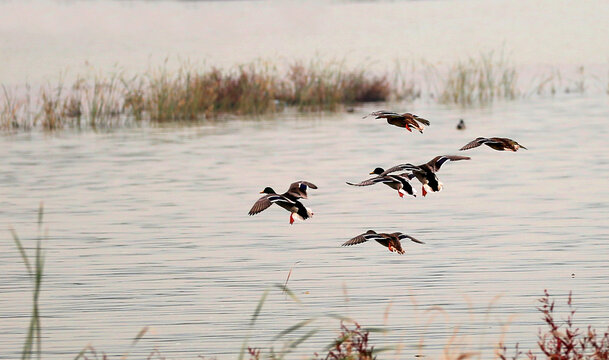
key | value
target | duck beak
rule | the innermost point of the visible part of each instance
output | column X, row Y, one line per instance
column 262, row 192
column 372, row 173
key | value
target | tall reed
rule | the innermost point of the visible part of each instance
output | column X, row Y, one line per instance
column 33, row 339
column 192, row 94
column 479, row 81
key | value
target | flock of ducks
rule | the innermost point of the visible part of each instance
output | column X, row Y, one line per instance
column 397, row 177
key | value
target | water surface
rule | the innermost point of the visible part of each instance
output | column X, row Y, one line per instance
column 149, row 227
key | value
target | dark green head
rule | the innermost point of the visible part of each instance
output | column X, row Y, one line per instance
column 268, row 190
column 377, row 171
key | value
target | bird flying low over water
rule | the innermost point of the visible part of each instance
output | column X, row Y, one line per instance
column 426, row 173
column 287, row 200
column 497, row 143
column 390, row 241
column 405, row 120
column 399, row 182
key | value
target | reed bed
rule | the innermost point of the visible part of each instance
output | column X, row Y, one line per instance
column 479, row 80
column 193, row 94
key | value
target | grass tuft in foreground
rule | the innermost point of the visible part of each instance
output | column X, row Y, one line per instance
column 562, row 340
column 33, row 339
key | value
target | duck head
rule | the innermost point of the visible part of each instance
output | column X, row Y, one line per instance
column 377, row 171
column 268, row 190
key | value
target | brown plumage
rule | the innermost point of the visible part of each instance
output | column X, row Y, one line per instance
column 426, row 173
column 390, row 241
column 405, row 120
column 497, row 143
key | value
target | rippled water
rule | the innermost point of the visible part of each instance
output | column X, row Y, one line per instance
column 149, row 227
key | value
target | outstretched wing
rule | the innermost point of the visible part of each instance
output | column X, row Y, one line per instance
column 437, row 162
column 401, row 167
column 404, row 236
column 362, row 238
column 374, row 180
column 267, row 200
column 382, row 114
column 299, row 189
column 421, row 120
column 477, row 142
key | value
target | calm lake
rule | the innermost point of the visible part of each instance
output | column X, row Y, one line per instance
column 148, row 226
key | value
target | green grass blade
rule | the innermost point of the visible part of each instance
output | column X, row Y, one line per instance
column 340, row 317
column 81, row 353
column 289, row 292
column 259, row 308
column 294, row 328
column 375, row 330
column 40, row 214
column 139, row 335
column 294, row 344
column 21, row 251
column 135, row 340
column 252, row 322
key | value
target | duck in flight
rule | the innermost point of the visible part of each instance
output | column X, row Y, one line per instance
column 497, row 143
column 399, row 182
column 287, row 200
column 426, row 173
column 406, row 120
column 390, row 241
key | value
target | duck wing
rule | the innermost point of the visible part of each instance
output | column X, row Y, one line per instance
column 362, row 238
column 401, row 167
column 374, row 180
column 382, row 114
column 479, row 141
column 404, row 236
column 267, row 200
column 421, row 120
column 298, row 189
column 437, row 162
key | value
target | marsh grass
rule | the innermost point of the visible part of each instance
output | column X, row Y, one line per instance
column 194, row 94
column 319, row 86
column 479, row 80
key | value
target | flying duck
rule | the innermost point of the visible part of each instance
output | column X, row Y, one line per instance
column 399, row 182
column 405, row 120
column 497, row 143
column 426, row 173
column 287, row 200
column 390, row 241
